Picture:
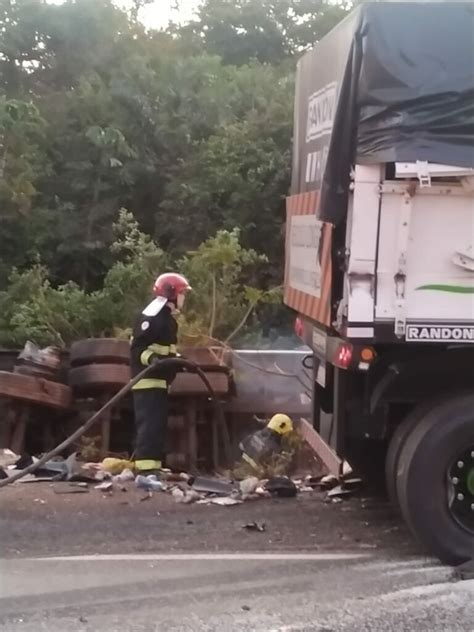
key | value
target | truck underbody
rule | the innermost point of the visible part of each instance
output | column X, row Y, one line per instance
column 396, row 363
column 380, row 255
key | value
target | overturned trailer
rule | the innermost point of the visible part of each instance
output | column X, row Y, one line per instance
column 380, row 253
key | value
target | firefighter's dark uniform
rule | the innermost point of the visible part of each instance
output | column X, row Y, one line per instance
column 154, row 338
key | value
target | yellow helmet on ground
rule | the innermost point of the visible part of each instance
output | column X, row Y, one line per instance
column 280, row 423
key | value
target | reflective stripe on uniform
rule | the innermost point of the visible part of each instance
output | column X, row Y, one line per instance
column 173, row 349
column 163, row 350
column 149, row 383
column 159, row 349
column 147, row 464
column 154, row 349
column 145, row 357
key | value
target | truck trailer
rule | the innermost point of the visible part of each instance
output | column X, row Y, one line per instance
column 379, row 258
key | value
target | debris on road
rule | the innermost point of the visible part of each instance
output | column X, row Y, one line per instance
column 124, row 477
column 281, row 486
column 255, row 526
column 8, row 457
column 212, row 486
column 102, row 475
column 339, row 491
column 106, row 486
column 116, row 466
column 249, row 486
column 31, row 478
column 177, row 494
column 69, row 490
column 223, row 501
column 149, row 483
column 328, row 482
column 350, row 483
column 191, row 496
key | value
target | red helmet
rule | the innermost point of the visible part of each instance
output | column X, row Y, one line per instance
column 171, row 285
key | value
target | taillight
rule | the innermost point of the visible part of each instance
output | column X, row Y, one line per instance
column 346, row 355
column 343, row 357
column 299, row 327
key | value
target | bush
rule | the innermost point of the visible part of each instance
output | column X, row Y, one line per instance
column 221, row 305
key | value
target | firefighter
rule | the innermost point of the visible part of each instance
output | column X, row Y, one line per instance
column 155, row 338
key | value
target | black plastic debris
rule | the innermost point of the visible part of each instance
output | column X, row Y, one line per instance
column 255, row 526
column 281, row 486
column 23, row 462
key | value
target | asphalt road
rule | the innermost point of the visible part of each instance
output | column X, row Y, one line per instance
column 91, row 563
column 321, row 593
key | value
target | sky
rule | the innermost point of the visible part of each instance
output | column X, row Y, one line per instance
column 160, row 12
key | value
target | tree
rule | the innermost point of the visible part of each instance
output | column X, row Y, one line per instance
column 265, row 30
column 190, row 126
column 22, row 43
column 22, row 164
column 221, row 304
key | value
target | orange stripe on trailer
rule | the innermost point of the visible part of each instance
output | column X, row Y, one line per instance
column 304, row 303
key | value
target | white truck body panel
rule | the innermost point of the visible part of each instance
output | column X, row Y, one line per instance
column 410, row 256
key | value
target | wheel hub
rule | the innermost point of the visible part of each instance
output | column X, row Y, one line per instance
column 470, row 481
column 461, row 496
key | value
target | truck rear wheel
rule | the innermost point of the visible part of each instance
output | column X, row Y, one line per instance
column 397, row 442
column 435, row 479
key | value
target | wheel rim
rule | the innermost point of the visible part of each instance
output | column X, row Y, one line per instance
column 461, row 489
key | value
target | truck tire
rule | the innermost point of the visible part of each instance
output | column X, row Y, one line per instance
column 435, row 468
column 100, row 350
column 99, row 377
column 398, row 441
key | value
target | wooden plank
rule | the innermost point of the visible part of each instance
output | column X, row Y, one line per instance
column 7, row 419
column 17, row 444
column 191, row 415
column 322, row 450
column 215, row 442
column 35, row 390
column 105, row 434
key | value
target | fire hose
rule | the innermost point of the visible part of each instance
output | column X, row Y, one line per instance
column 192, row 367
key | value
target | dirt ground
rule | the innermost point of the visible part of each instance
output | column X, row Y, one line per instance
column 35, row 521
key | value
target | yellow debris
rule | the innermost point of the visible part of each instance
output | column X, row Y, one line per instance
column 116, row 466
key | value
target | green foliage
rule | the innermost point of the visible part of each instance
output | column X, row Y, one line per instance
column 190, row 126
column 266, row 30
column 21, row 135
column 127, row 284
column 31, row 309
column 221, row 302
column 220, row 305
